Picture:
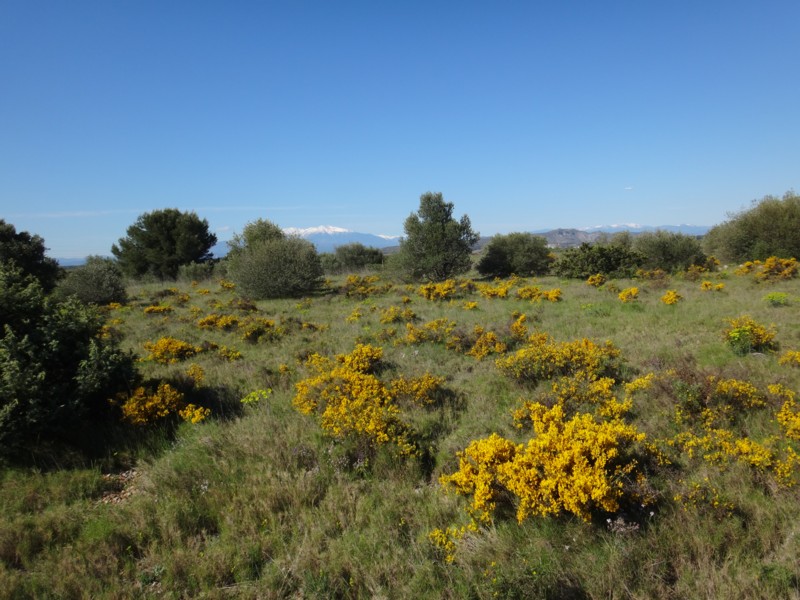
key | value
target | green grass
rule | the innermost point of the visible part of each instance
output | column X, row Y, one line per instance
column 257, row 502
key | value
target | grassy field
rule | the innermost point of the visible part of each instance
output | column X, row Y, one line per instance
column 260, row 500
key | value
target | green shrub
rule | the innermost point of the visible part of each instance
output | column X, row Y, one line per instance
column 586, row 260
column 276, row 268
column 99, row 281
column 55, row 368
column 522, row 254
column 669, row 251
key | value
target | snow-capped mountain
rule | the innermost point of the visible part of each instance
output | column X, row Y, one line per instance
column 327, row 237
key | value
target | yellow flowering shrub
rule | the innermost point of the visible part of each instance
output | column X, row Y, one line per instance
column 229, row 354
column 364, row 286
column 256, row 329
column 745, row 335
column 470, row 305
column 791, row 358
column 771, row 269
column 216, row 321
column 789, row 414
column 145, row 406
column 354, row 316
column 553, row 295
column 434, row 331
column 194, row 414
column 226, row 285
column 445, row 540
column 629, row 295
column 708, row 286
column 486, row 343
column 438, row 291
column 671, row 297
column 499, row 289
column 656, row 275
column 740, row 394
column 394, row 314
column 196, row 374
column 518, row 328
column 596, row 280
column 576, row 465
column 706, row 497
column 351, row 401
column 694, row 272
column 544, row 358
column 529, row 292
column 420, row 391
column 168, row 350
column 157, row 309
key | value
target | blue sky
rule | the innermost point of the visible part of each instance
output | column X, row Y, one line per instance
column 525, row 115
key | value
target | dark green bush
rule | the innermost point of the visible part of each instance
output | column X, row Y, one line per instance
column 522, row 254
column 669, row 251
column 586, row 260
column 56, row 370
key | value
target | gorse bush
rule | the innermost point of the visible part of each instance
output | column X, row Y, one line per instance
column 745, row 335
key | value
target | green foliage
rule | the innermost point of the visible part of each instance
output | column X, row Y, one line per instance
column 356, row 256
column 198, row 271
column 265, row 263
column 669, row 251
column 587, row 260
column 159, row 242
column 99, row 281
column 55, row 370
column 771, row 227
column 436, row 246
column 522, row 254
column 26, row 251
column 254, row 233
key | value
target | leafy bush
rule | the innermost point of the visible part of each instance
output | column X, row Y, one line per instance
column 276, row 268
column 771, row 227
column 99, row 281
column 55, row 368
column 587, row 260
column 669, row 251
column 522, row 254
column 356, row 256
column 744, row 335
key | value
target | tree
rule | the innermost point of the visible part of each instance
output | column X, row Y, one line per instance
column 27, row 252
column 159, row 242
column 99, row 281
column 265, row 263
column 771, row 227
column 522, row 254
column 436, row 246
column 669, row 251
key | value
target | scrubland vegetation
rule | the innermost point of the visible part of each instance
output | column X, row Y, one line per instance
column 493, row 440
column 617, row 429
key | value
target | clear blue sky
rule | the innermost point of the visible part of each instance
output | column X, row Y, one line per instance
column 526, row 115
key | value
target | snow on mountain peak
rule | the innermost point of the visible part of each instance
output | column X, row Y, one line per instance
column 330, row 229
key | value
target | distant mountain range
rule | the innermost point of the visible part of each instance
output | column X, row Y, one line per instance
column 327, row 238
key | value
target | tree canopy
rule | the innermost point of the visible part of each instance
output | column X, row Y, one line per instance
column 159, row 242
column 436, row 246
column 770, row 227
column 27, row 252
